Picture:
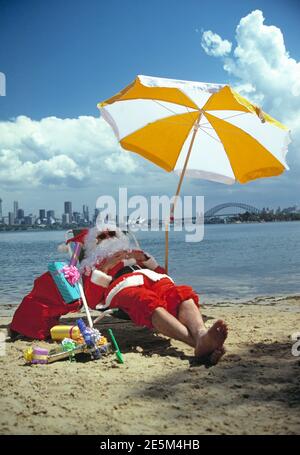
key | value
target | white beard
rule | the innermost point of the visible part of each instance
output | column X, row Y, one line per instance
column 95, row 253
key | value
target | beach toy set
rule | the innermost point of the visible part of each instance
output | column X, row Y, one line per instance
column 85, row 340
column 67, row 349
column 75, row 339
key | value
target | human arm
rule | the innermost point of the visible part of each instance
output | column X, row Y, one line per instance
column 146, row 260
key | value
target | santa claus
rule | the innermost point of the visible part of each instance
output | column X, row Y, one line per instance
column 116, row 276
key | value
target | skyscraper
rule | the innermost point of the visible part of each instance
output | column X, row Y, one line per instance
column 68, row 210
column 15, row 212
column 1, row 216
column 11, row 218
column 20, row 214
column 86, row 216
column 65, row 218
column 50, row 217
column 42, row 214
column 50, row 214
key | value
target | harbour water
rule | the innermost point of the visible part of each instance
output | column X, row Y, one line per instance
column 234, row 262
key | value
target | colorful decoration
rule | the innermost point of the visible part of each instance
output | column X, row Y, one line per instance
column 69, row 345
column 87, row 340
column 36, row 355
column 71, row 274
column 90, row 337
column 67, row 349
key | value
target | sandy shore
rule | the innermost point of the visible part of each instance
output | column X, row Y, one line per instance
column 254, row 390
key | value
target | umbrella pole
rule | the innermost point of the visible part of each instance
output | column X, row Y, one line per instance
column 172, row 210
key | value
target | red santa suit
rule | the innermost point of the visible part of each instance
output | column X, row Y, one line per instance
column 137, row 292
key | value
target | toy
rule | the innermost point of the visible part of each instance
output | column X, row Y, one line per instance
column 88, row 341
column 68, row 349
column 69, row 345
column 118, row 352
column 59, row 332
column 34, row 356
column 91, row 337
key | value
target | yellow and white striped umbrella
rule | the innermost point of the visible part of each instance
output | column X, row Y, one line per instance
column 207, row 130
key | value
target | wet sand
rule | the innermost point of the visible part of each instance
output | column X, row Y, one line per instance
column 253, row 390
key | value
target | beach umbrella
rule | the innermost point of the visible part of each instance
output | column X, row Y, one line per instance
column 197, row 129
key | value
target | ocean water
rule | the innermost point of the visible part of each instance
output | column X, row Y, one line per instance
column 233, row 262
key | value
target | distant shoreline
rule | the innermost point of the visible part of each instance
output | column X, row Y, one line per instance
column 59, row 229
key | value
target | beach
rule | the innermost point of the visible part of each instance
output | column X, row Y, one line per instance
column 158, row 390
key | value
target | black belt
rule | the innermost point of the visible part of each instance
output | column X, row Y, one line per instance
column 126, row 269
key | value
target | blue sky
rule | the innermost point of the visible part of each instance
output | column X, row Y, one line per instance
column 61, row 57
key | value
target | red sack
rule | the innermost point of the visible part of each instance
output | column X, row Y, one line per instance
column 41, row 309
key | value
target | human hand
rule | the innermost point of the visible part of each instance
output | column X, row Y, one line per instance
column 109, row 262
column 139, row 256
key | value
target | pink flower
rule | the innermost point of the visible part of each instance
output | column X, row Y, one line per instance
column 71, row 274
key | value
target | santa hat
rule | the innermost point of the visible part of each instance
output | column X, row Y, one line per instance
column 79, row 237
column 63, row 247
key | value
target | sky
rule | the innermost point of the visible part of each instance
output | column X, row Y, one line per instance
column 61, row 57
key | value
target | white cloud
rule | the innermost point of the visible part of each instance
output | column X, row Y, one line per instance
column 263, row 70
column 59, row 152
column 214, row 45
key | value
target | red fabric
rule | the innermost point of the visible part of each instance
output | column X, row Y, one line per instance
column 139, row 302
column 96, row 294
column 79, row 237
column 41, row 309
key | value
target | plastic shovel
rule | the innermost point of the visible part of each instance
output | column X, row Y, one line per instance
column 118, row 352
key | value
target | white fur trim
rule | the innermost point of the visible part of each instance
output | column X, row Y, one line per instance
column 130, row 261
column 101, row 278
column 131, row 281
column 153, row 276
column 150, row 263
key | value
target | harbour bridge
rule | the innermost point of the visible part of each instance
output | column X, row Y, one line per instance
column 229, row 209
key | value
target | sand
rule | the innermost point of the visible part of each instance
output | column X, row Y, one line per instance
column 254, row 389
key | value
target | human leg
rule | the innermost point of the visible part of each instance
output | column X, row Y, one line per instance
column 145, row 308
column 168, row 325
column 207, row 342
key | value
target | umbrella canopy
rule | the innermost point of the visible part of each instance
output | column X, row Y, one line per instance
column 205, row 130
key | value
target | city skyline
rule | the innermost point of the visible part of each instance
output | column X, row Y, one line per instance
column 46, row 216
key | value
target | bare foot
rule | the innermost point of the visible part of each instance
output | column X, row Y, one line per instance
column 210, row 342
